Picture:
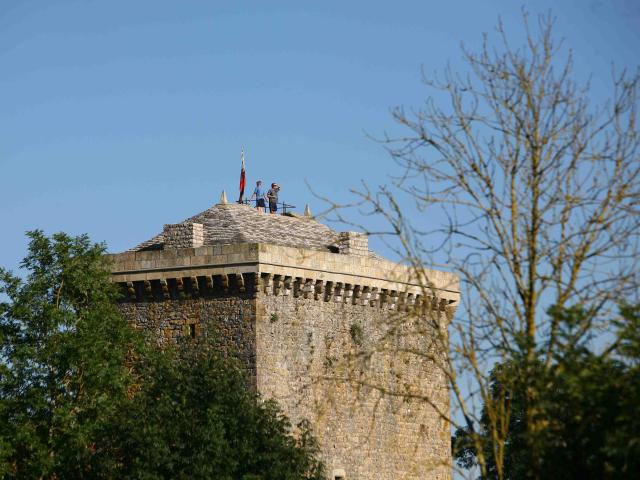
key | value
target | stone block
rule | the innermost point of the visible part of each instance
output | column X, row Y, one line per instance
column 183, row 235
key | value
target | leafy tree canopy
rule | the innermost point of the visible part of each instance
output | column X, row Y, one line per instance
column 587, row 402
column 194, row 417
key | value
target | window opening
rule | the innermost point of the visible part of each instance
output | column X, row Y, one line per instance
column 338, row 474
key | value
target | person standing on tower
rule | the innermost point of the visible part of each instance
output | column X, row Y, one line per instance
column 258, row 194
column 272, row 195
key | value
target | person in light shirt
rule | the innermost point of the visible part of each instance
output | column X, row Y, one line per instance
column 259, row 196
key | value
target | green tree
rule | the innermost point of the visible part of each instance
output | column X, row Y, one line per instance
column 588, row 401
column 63, row 352
column 83, row 396
column 195, row 417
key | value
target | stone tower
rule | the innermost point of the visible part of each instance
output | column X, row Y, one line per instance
column 299, row 303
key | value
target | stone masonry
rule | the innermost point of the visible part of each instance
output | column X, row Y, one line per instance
column 183, row 235
column 299, row 307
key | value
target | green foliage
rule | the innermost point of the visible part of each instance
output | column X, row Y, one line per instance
column 273, row 318
column 587, row 402
column 196, row 418
column 82, row 395
column 356, row 334
column 63, row 348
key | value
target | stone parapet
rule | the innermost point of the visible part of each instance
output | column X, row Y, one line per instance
column 373, row 272
column 280, row 270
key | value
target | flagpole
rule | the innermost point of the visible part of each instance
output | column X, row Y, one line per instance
column 242, row 175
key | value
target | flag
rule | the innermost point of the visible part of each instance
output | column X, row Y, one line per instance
column 242, row 177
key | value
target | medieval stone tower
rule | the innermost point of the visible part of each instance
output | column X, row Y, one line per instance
column 323, row 325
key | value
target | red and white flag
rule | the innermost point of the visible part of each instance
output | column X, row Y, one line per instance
column 242, row 177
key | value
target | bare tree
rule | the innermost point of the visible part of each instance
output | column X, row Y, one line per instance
column 540, row 192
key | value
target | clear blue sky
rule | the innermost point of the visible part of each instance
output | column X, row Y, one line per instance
column 119, row 116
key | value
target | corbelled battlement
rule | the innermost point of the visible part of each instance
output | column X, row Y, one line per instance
column 280, row 270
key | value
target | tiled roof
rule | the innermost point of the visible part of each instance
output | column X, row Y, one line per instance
column 233, row 223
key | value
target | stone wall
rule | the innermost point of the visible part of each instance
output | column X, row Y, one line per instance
column 232, row 318
column 338, row 365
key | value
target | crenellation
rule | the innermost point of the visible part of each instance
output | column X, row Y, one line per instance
column 194, row 285
column 365, row 296
column 375, row 297
column 287, row 285
column 348, row 292
column 307, row 289
column 131, row 291
column 240, row 285
column 148, row 290
column 224, row 282
column 165, row 288
column 318, row 289
column 258, row 284
column 384, row 297
column 337, row 292
column 267, row 280
column 393, row 300
column 277, row 284
column 402, row 301
column 179, row 285
column 357, row 293
column 297, row 287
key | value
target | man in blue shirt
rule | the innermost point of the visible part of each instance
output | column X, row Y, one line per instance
column 258, row 194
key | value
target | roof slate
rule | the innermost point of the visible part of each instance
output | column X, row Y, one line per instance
column 234, row 223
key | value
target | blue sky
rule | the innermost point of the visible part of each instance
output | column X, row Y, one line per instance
column 119, row 116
